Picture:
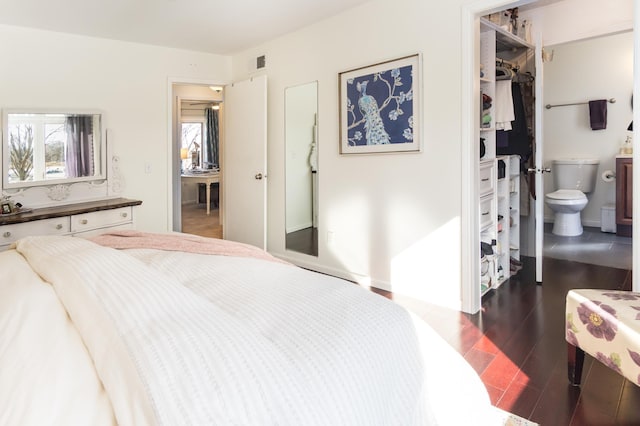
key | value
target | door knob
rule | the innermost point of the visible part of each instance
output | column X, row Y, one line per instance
column 259, row 176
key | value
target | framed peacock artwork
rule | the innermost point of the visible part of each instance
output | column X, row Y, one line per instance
column 380, row 107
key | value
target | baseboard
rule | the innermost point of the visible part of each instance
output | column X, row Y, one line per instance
column 299, row 227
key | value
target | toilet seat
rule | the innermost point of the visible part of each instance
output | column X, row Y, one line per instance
column 567, row 196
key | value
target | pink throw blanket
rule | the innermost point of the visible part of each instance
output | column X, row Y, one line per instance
column 127, row 239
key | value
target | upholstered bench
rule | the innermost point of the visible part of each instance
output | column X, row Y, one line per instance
column 606, row 325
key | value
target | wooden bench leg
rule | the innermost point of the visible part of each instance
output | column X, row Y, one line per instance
column 575, row 360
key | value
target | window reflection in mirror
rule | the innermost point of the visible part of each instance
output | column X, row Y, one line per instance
column 42, row 148
column 301, row 162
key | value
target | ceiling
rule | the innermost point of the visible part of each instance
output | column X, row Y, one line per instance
column 213, row 26
column 538, row 3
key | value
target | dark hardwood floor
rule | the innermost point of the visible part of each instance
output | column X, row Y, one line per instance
column 516, row 344
column 303, row 241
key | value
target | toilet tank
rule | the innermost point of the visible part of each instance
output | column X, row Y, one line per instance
column 575, row 173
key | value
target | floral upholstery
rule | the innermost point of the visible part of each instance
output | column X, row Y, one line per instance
column 606, row 325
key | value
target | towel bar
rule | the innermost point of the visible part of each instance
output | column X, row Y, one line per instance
column 549, row 106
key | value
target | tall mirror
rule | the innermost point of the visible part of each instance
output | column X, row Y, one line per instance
column 301, row 179
column 46, row 148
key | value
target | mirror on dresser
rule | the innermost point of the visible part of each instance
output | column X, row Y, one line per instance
column 52, row 157
column 43, row 148
column 301, row 164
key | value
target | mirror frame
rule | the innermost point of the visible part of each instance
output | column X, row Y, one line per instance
column 101, row 175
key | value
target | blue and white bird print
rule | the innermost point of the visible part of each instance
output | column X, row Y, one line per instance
column 380, row 107
column 373, row 124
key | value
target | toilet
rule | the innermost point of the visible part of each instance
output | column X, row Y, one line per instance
column 573, row 179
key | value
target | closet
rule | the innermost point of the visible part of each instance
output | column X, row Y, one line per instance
column 503, row 61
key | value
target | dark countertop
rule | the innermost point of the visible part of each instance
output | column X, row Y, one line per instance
column 69, row 209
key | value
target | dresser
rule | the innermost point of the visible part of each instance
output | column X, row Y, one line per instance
column 81, row 219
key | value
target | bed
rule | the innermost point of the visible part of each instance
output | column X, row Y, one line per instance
column 133, row 328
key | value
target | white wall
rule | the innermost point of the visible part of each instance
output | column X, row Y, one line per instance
column 127, row 81
column 395, row 218
column 596, row 68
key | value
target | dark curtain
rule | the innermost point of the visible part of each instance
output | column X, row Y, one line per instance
column 212, row 141
column 79, row 153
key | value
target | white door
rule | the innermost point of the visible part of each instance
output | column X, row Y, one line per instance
column 244, row 162
column 537, row 171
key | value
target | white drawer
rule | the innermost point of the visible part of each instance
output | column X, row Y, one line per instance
column 55, row 226
column 487, row 177
column 487, row 211
column 101, row 219
column 94, row 232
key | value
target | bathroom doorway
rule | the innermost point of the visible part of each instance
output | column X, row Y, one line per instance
column 573, row 74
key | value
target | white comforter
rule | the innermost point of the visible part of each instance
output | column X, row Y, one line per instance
column 183, row 338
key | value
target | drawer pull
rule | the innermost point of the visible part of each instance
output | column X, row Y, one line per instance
column 6, row 234
column 485, row 213
column 124, row 214
column 485, row 180
column 59, row 226
column 84, row 221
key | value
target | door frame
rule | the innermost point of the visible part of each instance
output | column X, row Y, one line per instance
column 469, row 220
column 174, row 196
column 469, row 223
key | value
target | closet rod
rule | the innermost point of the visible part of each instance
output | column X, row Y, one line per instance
column 549, row 106
column 500, row 61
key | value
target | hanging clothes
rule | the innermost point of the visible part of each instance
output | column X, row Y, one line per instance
column 504, row 113
column 518, row 138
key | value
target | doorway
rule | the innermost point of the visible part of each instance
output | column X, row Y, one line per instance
column 196, row 140
column 573, row 74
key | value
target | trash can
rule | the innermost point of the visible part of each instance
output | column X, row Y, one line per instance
column 608, row 218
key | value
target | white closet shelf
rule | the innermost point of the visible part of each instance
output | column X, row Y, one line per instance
column 505, row 41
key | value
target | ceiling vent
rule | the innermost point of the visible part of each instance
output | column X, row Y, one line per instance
column 260, row 62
